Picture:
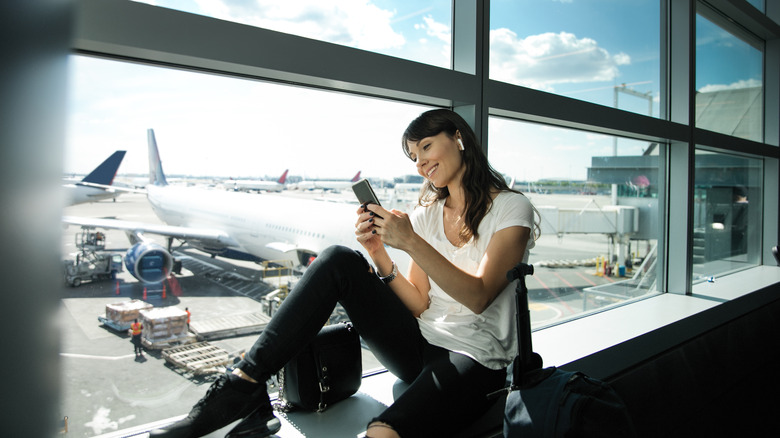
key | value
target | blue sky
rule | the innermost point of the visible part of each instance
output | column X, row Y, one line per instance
column 212, row 125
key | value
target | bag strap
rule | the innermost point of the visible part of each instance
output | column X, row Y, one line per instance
column 526, row 359
column 323, row 379
column 323, row 375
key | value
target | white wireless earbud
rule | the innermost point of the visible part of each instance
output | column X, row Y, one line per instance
column 460, row 144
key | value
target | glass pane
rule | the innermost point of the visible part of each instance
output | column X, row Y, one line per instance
column 211, row 133
column 729, row 82
column 418, row 31
column 727, row 214
column 758, row 4
column 598, row 199
column 600, row 51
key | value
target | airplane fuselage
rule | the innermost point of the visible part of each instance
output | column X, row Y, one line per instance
column 270, row 227
column 79, row 194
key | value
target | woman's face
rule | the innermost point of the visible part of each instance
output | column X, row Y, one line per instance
column 438, row 159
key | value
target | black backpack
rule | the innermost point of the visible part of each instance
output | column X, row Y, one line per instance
column 549, row 402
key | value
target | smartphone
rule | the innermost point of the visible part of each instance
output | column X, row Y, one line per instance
column 364, row 192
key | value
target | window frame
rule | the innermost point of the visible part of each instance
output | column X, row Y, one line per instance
column 110, row 28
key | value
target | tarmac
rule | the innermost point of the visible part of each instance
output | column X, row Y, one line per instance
column 105, row 389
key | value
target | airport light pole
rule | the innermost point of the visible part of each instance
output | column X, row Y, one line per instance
column 621, row 249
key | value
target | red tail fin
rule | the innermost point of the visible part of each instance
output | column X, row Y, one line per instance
column 283, row 178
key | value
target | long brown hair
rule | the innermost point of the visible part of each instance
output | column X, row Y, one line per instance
column 479, row 179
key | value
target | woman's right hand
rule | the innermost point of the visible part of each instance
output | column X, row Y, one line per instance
column 364, row 228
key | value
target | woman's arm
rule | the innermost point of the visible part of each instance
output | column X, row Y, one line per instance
column 477, row 291
column 505, row 250
column 413, row 288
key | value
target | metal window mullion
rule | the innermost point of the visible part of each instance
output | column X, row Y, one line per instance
column 470, row 54
column 679, row 163
column 771, row 182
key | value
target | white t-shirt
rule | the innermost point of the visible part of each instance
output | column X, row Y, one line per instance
column 490, row 338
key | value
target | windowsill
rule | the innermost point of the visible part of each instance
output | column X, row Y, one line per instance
column 599, row 344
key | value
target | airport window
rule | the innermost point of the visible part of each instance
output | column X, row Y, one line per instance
column 208, row 130
column 727, row 214
column 729, row 78
column 603, row 52
column 758, row 4
column 215, row 126
column 598, row 200
column 224, row 115
column 417, row 30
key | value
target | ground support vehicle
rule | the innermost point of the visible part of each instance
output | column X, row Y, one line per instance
column 92, row 266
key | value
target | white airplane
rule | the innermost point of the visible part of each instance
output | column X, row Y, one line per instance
column 97, row 185
column 231, row 224
column 246, row 185
column 327, row 184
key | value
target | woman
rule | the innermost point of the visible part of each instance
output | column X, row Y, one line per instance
column 446, row 327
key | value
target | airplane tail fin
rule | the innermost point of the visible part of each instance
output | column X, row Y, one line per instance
column 104, row 174
column 156, row 175
column 356, row 178
column 283, row 178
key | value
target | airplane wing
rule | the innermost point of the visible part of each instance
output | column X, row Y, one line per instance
column 112, row 188
column 209, row 237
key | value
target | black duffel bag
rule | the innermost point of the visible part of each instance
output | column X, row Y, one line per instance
column 328, row 370
column 549, row 402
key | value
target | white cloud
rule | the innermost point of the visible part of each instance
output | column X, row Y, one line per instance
column 437, row 30
column 441, row 41
column 744, row 83
column 541, row 61
column 215, row 125
column 354, row 23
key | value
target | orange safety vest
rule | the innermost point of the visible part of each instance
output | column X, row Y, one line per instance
column 188, row 316
column 136, row 328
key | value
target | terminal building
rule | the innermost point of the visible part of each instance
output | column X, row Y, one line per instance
column 699, row 169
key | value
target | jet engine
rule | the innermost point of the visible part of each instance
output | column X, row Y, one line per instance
column 148, row 262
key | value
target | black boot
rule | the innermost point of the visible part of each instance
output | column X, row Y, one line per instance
column 228, row 399
column 259, row 423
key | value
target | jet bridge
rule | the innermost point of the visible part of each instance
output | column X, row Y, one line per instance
column 612, row 219
column 619, row 222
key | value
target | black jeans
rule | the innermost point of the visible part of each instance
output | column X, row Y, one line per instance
column 447, row 390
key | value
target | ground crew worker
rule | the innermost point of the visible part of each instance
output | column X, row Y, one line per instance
column 135, row 330
column 189, row 314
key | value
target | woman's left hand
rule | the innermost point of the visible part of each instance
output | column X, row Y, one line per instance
column 392, row 226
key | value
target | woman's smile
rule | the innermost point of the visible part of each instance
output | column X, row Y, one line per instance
column 431, row 171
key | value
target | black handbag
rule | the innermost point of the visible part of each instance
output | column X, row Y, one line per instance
column 328, row 370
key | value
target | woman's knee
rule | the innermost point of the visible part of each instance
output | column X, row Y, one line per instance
column 378, row 429
column 339, row 256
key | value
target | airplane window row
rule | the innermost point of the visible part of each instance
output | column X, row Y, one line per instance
column 307, row 233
